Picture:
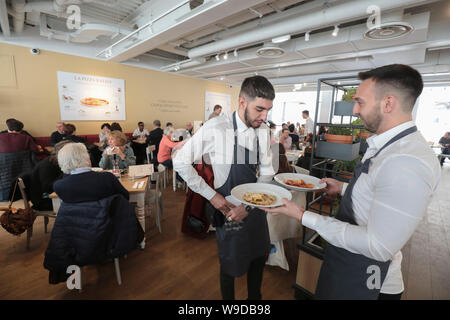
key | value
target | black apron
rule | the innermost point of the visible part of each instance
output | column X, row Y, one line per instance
column 241, row 242
column 345, row 275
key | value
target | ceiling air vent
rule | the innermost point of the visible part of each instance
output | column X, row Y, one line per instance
column 270, row 50
column 388, row 30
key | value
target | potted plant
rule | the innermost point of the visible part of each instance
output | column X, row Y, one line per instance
column 339, row 135
column 345, row 106
column 345, row 168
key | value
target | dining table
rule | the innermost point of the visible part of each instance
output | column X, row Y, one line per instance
column 136, row 187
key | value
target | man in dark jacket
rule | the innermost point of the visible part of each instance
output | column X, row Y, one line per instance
column 155, row 137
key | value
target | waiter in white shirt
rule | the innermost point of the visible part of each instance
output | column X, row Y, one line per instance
column 309, row 124
column 140, row 132
column 237, row 146
column 386, row 198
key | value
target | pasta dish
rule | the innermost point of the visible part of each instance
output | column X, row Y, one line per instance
column 259, row 198
column 299, row 183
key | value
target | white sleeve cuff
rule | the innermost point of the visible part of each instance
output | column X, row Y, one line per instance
column 208, row 193
column 344, row 187
column 309, row 219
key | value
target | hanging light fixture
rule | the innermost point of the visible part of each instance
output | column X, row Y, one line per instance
column 307, row 36
column 235, row 53
column 217, row 57
column 225, row 56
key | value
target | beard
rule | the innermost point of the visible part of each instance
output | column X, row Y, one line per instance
column 250, row 122
column 372, row 121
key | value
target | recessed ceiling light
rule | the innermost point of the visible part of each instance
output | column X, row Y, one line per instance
column 281, row 39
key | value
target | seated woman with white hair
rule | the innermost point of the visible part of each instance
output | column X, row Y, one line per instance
column 118, row 151
column 165, row 147
column 80, row 183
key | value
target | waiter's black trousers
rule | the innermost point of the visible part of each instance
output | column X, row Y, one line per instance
column 254, row 281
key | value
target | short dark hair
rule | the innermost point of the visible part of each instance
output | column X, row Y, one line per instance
column 257, row 87
column 140, row 122
column 401, row 78
column 283, row 130
column 291, row 128
column 217, row 106
column 69, row 129
column 157, row 123
column 14, row 125
column 306, row 112
column 116, row 126
column 169, row 124
column 106, row 125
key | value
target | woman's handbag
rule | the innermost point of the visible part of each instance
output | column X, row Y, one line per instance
column 16, row 221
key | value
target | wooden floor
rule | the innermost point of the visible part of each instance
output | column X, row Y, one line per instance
column 176, row 266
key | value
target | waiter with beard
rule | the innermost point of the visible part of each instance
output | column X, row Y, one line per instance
column 239, row 150
column 386, row 198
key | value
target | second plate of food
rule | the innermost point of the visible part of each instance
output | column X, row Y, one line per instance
column 260, row 194
column 299, row 182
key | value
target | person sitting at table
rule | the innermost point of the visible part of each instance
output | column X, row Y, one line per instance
column 165, row 148
column 103, row 135
column 285, row 139
column 294, row 136
column 80, row 183
column 44, row 174
column 189, row 128
column 140, row 133
column 117, row 151
column 69, row 132
column 57, row 135
column 14, row 140
column 169, row 124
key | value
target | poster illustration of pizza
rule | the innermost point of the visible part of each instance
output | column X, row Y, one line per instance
column 90, row 98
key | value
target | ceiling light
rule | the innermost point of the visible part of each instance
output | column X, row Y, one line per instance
column 298, row 86
column 307, row 36
column 108, row 53
column 217, row 57
column 335, row 31
column 256, row 73
column 281, row 39
column 222, row 78
column 436, row 74
column 235, row 53
column 225, row 56
column 389, row 30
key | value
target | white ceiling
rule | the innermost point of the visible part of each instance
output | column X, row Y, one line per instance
column 184, row 37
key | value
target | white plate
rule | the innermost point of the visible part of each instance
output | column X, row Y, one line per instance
column 271, row 189
column 97, row 169
column 282, row 177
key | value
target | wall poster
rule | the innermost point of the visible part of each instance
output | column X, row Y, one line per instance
column 86, row 97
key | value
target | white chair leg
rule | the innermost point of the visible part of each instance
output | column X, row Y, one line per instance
column 174, row 179
column 117, row 267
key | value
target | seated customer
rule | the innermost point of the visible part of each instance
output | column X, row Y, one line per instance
column 69, row 132
column 57, row 135
column 103, row 135
column 285, row 139
column 165, row 148
column 15, row 141
column 445, row 143
column 283, row 163
column 44, row 174
column 294, row 135
column 117, row 151
column 80, row 183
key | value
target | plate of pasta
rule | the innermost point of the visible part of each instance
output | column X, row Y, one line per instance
column 299, row 182
column 260, row 194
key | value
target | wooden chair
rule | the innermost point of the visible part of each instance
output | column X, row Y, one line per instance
column 165, row 170
column 45, row 214
column 154, row 196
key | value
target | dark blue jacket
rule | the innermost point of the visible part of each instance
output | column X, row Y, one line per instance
column 88, row 186
column 91, row 232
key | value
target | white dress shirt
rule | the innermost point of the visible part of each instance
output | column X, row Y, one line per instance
column 140, row 134
column 309, row 126
column 389, row 202
column 215, row 140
